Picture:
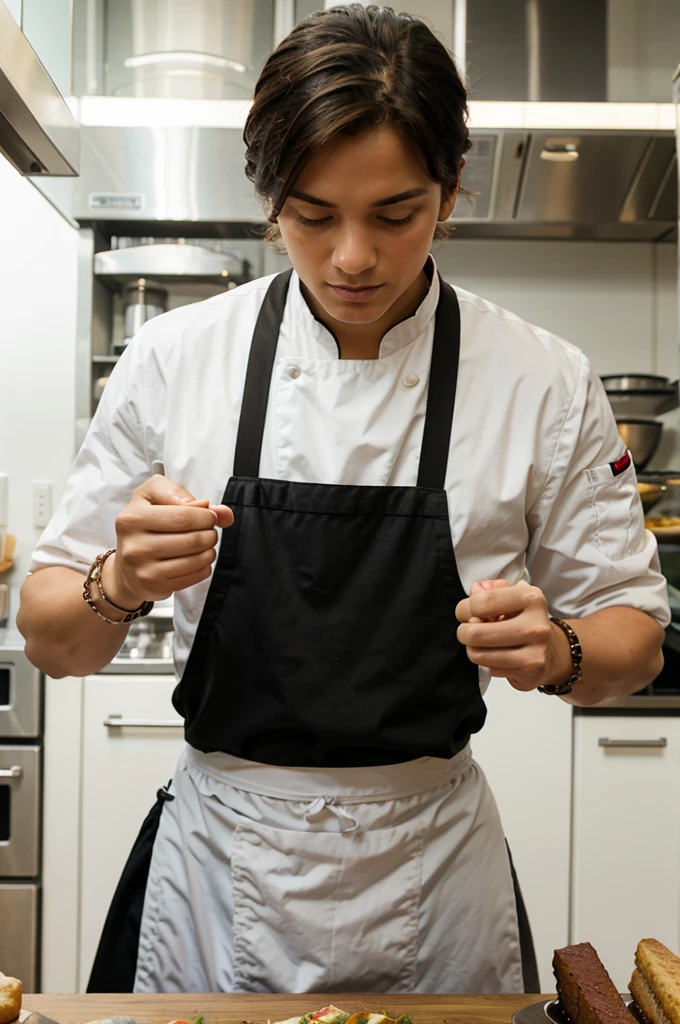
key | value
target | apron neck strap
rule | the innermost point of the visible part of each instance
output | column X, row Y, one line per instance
column 441, row 392
column 258, row 377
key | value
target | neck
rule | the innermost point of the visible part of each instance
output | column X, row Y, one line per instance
column 362, row 341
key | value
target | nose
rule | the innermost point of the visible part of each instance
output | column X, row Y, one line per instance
column 354, row 251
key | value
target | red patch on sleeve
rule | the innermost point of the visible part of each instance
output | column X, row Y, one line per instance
column 621, row 465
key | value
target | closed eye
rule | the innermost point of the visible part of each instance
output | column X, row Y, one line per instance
column 397, row 222
column 316, row 221
column 313, row 221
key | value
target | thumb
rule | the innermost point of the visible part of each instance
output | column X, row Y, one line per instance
column 225, row 517
column 160, row 490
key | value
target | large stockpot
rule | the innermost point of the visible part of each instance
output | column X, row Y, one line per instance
column 142, row 301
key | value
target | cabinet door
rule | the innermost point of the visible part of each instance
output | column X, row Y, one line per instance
column 626, row 855
column 525, row 752
column 123, row 767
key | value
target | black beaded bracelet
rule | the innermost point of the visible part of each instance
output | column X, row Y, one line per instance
column 559, row 689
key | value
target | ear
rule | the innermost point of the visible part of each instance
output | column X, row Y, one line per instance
column 446, row 208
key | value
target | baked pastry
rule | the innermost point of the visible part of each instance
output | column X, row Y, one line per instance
column 585, row 990
column 10, row 998
column 655, row 985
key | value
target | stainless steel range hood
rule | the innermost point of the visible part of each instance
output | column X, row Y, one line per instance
column 38, row 133
column 603, row 171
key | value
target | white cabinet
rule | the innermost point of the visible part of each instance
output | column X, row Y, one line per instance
column 123, row 767
column 626, row 853
column 525, row 751
column 100, row 782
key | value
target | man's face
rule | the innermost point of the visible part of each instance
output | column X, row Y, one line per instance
column 359, row 221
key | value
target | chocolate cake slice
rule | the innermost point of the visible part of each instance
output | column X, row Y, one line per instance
column 585, row 990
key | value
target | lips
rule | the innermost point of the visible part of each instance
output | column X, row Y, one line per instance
column 354, row 294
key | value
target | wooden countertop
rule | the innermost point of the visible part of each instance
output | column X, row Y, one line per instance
column 233, row 1009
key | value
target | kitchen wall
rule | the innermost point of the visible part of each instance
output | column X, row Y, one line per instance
column 37, row 353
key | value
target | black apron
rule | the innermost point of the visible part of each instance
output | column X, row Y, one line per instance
column 328, row 636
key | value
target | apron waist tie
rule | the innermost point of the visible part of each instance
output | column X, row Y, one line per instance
column 323, row 803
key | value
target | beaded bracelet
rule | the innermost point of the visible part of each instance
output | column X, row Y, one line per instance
column 559, row 689
column 95, row 576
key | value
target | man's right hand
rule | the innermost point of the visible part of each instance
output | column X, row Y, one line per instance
column 166, row 541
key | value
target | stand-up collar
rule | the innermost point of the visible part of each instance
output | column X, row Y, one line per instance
column 396, row 338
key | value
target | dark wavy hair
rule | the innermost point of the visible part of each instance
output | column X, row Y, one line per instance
column 346, row 70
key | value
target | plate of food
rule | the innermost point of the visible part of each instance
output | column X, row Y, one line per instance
column 334, row 1015
column 587, row 995
column 666, row 528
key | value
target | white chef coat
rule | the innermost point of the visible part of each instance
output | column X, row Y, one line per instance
column 530, row 491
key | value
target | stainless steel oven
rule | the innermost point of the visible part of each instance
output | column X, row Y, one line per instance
column 20, row 810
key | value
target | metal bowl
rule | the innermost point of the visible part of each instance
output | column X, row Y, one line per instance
column 642, row 437
column 640, row 395
column 635, row 382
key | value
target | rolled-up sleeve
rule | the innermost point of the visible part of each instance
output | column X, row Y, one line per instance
column 110, row 465
column 589, row 548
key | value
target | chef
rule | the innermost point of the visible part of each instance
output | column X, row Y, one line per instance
column 377, row 491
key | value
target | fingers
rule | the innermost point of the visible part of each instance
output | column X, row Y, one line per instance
column 514, row 632
column 178, row 518
column 163, row 546
column 479, row 586
column 507, row 601
column 155, row 578
column 166, row 539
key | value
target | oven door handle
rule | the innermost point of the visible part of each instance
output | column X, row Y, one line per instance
column 118, row 722
column 15, row 772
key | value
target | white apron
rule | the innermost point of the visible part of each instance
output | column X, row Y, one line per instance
column 387, row 879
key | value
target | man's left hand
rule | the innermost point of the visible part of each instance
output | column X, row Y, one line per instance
column 507, row 629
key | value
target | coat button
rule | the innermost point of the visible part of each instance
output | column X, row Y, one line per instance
column 293, row 371
column 411, row 379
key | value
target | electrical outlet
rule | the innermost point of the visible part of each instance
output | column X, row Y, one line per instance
column 42, row 502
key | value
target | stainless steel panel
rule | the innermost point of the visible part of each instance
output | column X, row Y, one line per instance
column 477, row 177
column 537, row 49
column 588, row 188
column 164, row 173
column 38, row 133
column 650, row 184
column 196, row 49
column 20, row 695
column 19, row 932
column 168, row 260
column 20, row 804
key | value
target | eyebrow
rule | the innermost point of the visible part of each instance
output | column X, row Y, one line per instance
column 412, row 193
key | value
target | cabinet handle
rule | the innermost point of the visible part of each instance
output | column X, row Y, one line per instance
column 118, row 722
column 15, row 772
column 648, row 744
